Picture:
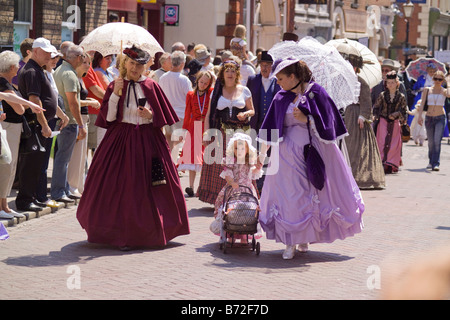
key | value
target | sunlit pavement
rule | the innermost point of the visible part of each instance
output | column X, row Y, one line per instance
column 49, row 258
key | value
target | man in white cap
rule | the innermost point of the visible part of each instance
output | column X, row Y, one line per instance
column 35, row 86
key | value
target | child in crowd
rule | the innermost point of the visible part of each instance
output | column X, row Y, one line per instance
column 197, row 102
column 418, row 132
column 238, row 45
column 239, row 169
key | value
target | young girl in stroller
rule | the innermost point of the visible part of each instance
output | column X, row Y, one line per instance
column 239, row 170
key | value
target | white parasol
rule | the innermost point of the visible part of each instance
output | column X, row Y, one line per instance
column 371, row 68
column 112, row 37
column 328, row 67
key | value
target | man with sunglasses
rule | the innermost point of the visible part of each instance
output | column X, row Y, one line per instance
column 387, row 66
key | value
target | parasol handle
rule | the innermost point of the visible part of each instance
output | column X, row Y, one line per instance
column 120, row 58
column 121, row 49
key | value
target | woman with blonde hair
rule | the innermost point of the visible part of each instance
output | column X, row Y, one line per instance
column 434, row 97
column 132, row 195
column 197, row 103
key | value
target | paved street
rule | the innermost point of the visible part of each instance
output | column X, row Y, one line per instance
column 49, row 258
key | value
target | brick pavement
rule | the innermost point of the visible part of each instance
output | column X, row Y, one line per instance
column 44, row 256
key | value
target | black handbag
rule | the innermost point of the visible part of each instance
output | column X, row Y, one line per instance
column 425, row 106
column 315, row 167
column 406, row 132
column 33, row 142
column 158, row 175
column 26, row 130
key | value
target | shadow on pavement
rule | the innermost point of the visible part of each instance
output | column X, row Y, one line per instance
column 79, row 252
column 202, row 212
column 241, row 257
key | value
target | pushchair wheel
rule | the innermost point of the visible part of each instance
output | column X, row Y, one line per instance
column 253, row 244
column 258, row 248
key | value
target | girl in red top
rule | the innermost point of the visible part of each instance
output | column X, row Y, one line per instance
column 197, row 104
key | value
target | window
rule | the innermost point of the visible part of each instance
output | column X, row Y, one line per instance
column 23, row 13
column 22, row 10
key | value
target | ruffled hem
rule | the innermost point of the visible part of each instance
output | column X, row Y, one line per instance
column 313, row 227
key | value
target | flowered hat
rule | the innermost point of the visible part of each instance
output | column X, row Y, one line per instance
column 240, row 136
column 280, row 64
column 137, row 54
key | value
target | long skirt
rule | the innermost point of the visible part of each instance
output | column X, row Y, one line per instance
column 210, row 181
column 363, row 152
column 121, row 205
column 389, row 139
column 293, row 211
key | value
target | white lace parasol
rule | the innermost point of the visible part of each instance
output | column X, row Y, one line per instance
column 328, row 67
column 110, row 38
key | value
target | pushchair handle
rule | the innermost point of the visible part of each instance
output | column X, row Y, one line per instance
column 225, row 197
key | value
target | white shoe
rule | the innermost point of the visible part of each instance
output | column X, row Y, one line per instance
column 303, row 247
column 5, row 215
column 429, row 166
column 289, row 252
column 16, row 214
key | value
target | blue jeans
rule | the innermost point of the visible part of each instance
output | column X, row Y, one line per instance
column 66, row 142
column 435, row 130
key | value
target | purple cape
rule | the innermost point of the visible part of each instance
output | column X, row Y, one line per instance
column 163, row 113
column 315, row 102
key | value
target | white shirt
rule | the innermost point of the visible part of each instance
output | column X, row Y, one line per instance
column 265, row 83
column 246, row 71
column 130, row 112
column 176, row 86
column 239, row 102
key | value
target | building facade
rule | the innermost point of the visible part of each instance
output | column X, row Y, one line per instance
column 379, row 24
column 56, row 20
column 424, row 33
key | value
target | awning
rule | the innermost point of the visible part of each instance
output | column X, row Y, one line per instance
column 122, row 5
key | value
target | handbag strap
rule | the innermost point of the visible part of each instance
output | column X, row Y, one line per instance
column 426, row 96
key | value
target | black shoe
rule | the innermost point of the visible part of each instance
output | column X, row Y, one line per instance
column 29, row 207
column 65, row 199
column 40, row 204
column 189, row 191
column 75, row 196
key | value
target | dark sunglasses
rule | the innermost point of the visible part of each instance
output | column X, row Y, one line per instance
column 438, row 79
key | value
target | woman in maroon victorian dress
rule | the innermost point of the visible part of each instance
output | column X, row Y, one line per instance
column 132, row 194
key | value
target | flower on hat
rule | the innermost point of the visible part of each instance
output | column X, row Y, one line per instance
column 130, row 53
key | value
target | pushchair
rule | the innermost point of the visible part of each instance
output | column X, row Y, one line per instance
column 240, row 216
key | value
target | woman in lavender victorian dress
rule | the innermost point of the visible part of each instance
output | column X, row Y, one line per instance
column 295, row 209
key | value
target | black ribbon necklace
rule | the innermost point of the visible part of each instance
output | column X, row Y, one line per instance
column 295, row 86
column 132, row 85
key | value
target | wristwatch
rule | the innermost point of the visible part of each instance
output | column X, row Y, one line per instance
column 81, row 127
